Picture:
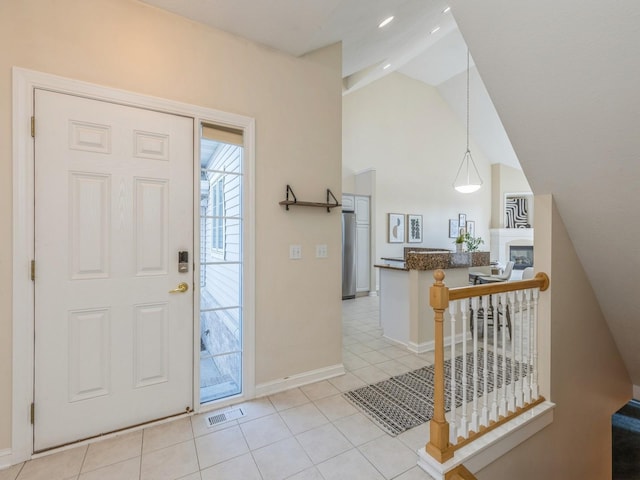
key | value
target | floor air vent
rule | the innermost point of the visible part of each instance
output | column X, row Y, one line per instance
column 222, row 417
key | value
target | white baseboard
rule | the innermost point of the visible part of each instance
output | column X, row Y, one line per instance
column 431, row 345
column 5, row 458
column 636, row 392
column 312, row 376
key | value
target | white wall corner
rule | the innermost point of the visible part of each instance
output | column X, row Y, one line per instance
column 298, row 380
column 5, row 459
column 430, row 346
column 636, row 392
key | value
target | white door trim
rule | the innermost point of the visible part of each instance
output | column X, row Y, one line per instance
column 24, row 83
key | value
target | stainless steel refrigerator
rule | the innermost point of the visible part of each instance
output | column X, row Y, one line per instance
column 348, row 255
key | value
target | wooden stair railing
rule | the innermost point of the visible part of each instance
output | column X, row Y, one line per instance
column 511, row 299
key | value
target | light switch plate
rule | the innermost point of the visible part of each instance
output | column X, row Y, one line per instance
column 321, row 251
column 295, row 252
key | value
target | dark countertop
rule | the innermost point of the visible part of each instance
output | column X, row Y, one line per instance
column 433, row 259
column 436, row 260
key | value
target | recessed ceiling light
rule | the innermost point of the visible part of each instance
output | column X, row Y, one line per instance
column 446, row 10
column 386, row 21
column 435, row 30
column 386, row 66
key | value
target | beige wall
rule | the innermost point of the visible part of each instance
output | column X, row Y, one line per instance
column 588, row 382
column 405, row 131
column 297, row 106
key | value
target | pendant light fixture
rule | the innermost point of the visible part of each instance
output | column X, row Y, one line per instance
column 468, row 178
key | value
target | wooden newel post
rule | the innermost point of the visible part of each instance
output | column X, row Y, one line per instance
column 438, row 446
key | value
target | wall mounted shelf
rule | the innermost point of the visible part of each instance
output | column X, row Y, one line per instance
column 329, row 204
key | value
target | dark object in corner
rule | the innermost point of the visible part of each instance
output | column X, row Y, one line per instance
column 625, row 440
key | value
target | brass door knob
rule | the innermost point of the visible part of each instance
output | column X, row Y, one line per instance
column 182, row 287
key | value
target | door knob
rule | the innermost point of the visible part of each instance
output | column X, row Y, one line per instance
column 182, row 287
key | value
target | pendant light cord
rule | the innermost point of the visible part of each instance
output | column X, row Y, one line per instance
column 467, row 99
column 467, row 160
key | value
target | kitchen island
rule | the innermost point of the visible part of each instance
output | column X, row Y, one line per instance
column 405, row 314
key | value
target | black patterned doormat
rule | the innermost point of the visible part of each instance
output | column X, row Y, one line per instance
column 406, row 401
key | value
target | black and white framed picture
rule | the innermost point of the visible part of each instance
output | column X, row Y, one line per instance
column 462, row 220
column 453, row 228
column 414, row 228
column 516, row 212
column 396, row 228
column 471, row 228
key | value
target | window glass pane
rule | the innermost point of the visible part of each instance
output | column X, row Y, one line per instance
column 221, row 331
column 220, row 286
column 229, row 237
column 221, row 226
column 220, row 377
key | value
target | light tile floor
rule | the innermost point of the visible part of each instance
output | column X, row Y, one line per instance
column 307, row 433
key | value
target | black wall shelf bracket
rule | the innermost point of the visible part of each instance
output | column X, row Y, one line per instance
column 331, row 202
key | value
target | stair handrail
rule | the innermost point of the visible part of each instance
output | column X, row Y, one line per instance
column 540, row 280
column 439, row 446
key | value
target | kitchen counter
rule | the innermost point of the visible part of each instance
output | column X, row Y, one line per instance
column 433, row 260
column 405, row 314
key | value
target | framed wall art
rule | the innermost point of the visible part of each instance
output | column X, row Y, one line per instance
column 516, row 210
column 414, row 228
column 453, row 228
column 396, row 228
column 471, row 228
column 462, row 220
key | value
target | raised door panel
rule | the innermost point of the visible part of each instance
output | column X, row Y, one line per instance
column 362, row 210
column 89, row 225
column 89, row 354
column 152, row 229
column 151, row 344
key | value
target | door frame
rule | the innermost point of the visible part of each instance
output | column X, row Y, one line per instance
column 23, row 309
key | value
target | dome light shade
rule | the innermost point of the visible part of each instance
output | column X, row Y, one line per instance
column 468, row 178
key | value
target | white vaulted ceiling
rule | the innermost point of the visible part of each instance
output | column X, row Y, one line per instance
column 407, row 44
column 301, row 26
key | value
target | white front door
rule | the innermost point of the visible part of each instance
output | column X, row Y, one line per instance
column 113, row 209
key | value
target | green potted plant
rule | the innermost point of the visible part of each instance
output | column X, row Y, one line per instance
column 472, row 243
column 459, row 241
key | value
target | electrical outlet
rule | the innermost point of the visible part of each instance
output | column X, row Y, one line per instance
column 295, row 252
column 321, row 251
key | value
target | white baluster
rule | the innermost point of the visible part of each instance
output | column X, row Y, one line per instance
column 534, row 376
column 514, row 328
column 493, row 414
column 473, row 425
column 484, row 416
column 520, row 322
column 452, row 402
column 503, row 399
column 527, row 357
column 464, row 425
